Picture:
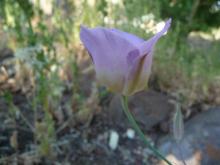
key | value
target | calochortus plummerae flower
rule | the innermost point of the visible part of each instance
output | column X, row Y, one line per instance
column 122, row 61
column 123, row 64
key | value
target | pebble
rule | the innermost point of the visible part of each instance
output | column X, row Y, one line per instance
column 130, row 133
column 113, row 140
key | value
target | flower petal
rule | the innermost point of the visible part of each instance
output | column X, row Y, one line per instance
column 129, row 37
column 139, row 72
column 109, row 53
column 147, row 46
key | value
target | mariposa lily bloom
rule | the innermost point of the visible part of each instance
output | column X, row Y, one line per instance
column 122, row 61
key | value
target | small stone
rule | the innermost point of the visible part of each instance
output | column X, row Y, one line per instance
column 130, row 133
column 113, row 140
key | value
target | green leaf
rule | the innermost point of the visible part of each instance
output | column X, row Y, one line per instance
column 178, row 125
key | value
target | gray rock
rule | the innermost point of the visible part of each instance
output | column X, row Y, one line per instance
column 149, row 108
column 200, row 144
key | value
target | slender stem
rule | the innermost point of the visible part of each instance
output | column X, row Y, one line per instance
column 138, row 130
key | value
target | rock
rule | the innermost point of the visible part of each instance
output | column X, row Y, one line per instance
column 130, row 133
column 200, row 144
column 113, row 140
column 149, row 108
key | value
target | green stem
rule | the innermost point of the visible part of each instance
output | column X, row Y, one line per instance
column 138, row 130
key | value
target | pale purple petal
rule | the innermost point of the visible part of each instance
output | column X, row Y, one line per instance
column 109, row 53
column 147, row 46
column 139, row 72
column 132, row 55
column 129, row 37
column 138, row 75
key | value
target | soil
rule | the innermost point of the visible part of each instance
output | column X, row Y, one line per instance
column 79, row 143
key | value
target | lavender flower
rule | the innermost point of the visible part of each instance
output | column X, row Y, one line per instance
column 122, row 60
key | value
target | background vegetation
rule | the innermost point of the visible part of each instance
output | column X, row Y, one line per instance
column 42, row 57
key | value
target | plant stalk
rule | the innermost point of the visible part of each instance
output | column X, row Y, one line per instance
column 138, row 130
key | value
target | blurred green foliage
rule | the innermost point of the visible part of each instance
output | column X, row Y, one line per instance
column 50, row 42
column 196, row 14
column 191, row 14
